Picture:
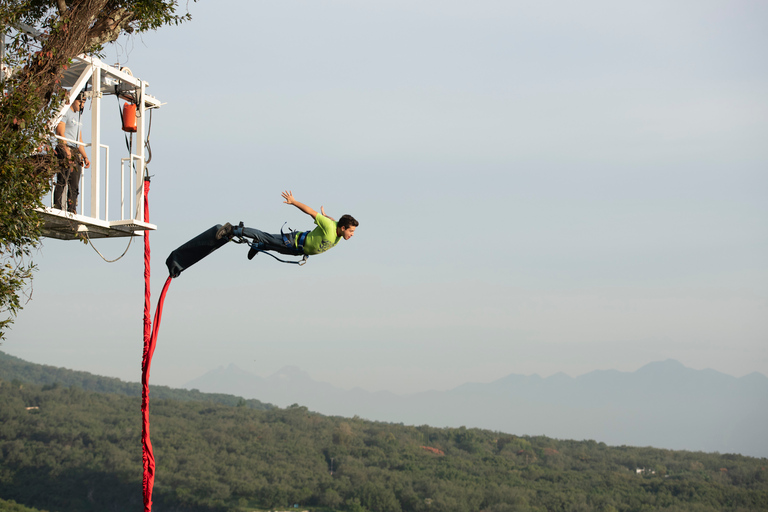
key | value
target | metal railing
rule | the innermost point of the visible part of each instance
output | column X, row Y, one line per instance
column 130, row 213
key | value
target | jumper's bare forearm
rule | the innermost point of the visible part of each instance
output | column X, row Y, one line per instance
column 289, row 199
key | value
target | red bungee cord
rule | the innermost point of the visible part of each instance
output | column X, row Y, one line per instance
column 150, row 340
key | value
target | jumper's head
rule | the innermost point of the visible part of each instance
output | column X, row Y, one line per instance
column 346, row 226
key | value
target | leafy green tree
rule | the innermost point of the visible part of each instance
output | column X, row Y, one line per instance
column 31, row 95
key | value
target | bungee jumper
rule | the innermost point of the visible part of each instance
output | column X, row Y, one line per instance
column 327, row 233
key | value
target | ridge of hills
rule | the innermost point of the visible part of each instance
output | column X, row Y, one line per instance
column 662, row 404
column 13, row 368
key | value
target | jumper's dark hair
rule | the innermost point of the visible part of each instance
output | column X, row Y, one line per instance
column 347, row 221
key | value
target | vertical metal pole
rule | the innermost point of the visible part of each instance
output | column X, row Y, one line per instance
column 131, row 175
column 95, row 142
column 106, row 182
column 122, row 188
column 140, row 134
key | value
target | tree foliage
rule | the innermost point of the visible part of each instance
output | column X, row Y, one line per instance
column 32, row 72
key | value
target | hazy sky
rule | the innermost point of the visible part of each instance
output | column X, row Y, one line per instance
column 541, row 187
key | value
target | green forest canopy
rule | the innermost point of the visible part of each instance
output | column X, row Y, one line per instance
column 66, row 449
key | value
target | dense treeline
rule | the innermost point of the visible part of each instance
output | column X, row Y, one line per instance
column 67, row 449
column 12, row 506
column 13, row 368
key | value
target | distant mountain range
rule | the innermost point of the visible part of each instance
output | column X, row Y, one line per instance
column 663, row 404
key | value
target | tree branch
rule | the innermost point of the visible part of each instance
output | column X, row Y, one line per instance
column 108, row 28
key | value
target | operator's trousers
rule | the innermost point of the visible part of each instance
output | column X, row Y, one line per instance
column 68, row 176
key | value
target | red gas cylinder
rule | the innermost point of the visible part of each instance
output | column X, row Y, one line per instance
column 129, row 117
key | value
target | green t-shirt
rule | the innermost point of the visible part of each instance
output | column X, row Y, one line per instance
column 323, row 237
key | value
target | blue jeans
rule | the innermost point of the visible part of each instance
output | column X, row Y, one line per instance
column 269, row 242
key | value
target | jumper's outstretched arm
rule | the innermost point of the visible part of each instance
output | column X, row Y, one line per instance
column 289, row 199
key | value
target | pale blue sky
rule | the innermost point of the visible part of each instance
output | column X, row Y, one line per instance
column 541, row 187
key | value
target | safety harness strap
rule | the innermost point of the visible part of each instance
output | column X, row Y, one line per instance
column 301, row 239
column 258, row 248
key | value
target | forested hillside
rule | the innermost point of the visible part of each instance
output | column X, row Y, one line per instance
column 66, row 449
column 12, row 368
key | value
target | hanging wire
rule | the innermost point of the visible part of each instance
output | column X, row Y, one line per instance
column 102, row 256
column 146, row 143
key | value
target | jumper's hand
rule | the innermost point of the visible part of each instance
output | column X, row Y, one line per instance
column 289, row 199
column 322, row 212
column 288, row 196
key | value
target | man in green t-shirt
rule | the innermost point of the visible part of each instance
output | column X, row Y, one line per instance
column 296, row 243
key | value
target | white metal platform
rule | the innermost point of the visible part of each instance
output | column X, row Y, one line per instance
column 111, row 202
column 70, row 226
